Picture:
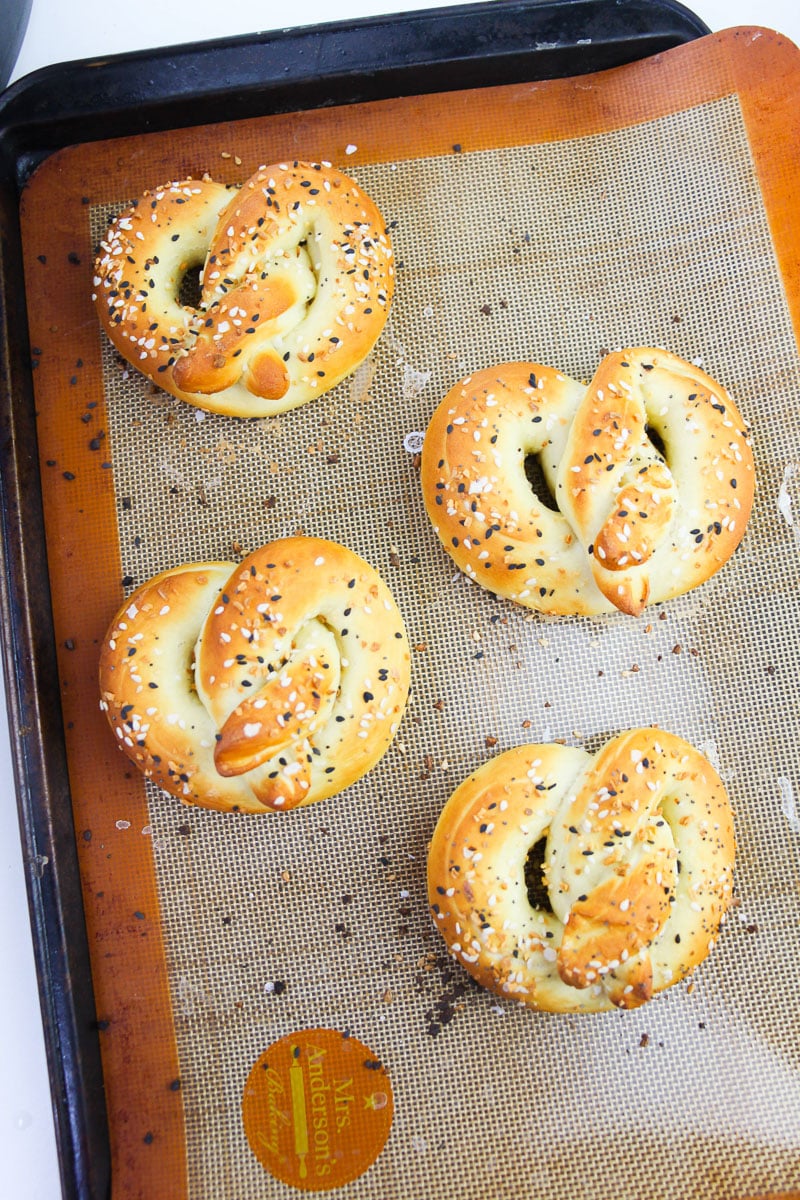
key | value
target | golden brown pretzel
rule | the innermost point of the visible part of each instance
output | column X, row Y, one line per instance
column 637, row 865
column 297, row 281
column 270, row 683
column 631, row 529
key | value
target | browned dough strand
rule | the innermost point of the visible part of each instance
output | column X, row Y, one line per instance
column 631, row 529
column 638, row 867
column 297, row 280
column 264, row 685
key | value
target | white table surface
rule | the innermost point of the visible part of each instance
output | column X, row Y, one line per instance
column 59, row 31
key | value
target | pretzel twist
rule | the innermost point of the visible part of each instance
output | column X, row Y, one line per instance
column 632, row 526
column 637, row 863
column 297, row 279
column 264, row 685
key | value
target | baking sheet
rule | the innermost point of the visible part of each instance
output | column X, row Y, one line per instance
column 549, row 222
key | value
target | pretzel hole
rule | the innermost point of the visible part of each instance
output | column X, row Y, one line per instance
column 656, row 441
column 538, row 482
column 190, row 288
column 538, row 896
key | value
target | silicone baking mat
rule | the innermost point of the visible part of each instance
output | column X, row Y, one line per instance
column 550, row 222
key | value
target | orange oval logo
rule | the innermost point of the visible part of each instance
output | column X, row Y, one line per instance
column 317, row 1109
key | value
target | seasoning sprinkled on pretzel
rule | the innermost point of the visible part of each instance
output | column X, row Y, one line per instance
column 579, row 883
column 296, row 283
column 264, row 685
column 650, row 472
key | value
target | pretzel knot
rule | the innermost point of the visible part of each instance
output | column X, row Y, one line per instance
column 264, row 685
column 649, row 467
column 577, row 883
column 296, row 283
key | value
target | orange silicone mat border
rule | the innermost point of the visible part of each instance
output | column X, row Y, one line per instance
column 118, row 874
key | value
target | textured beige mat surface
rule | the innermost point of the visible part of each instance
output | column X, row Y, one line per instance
column 650, row 234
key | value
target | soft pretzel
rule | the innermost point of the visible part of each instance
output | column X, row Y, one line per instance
column 266, row 684
column 297, row 279
column 638, row 854
column 632, row 526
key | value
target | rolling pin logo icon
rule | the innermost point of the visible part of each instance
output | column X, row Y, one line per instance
column 299, row 1114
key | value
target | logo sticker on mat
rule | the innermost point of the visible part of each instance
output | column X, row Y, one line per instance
column 317, row 1109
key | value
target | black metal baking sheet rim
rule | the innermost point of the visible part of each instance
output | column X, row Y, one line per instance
column 337, row 63
column 432, row 50
column 39, row 762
